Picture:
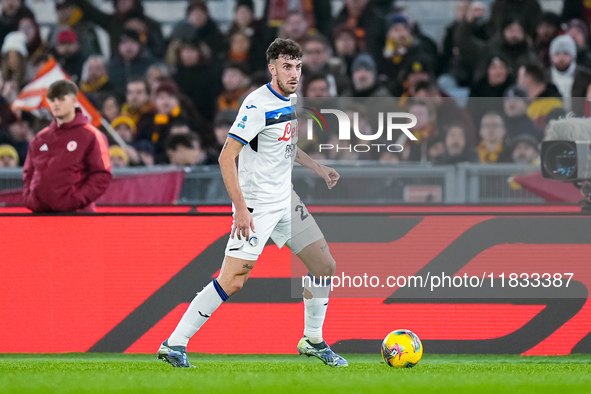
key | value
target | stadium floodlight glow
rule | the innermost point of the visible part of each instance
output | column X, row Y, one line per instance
column 567, row 161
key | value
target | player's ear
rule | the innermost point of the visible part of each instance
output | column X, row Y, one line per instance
column 271, row 67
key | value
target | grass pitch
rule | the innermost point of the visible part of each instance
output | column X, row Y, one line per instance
column 129, row 373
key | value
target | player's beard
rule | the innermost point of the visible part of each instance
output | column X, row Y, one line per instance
column 286, row 89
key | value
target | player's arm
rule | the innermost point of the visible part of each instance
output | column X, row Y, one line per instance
column 242, row 218
column 330, row 175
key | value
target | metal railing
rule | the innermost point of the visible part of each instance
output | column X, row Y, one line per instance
column 360, row 183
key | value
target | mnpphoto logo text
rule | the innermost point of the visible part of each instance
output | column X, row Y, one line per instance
column 394, row 124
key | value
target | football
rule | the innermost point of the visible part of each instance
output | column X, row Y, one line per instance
column 402, row 349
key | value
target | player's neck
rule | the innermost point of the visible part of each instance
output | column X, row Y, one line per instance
column 276, row 88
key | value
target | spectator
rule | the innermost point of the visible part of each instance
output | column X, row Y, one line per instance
column 572, row 9
column 365, row 81
column 19, row 135
column 493, row 148
column 317, row 14
column 157, row 71
column 154, row 43
column 255, row 30
column 516, row 120
column 222, row 123
column 457, row 147
column 346, row 46
column 199, row 25
column 138, row 101
column 67, row 167
column 452, row 63
column 156, row 126
column 546, row 31
column 528, row 10
column 125, row 127
column 525, row 150
column 570, row 79
column 198, row 77
column 131, row 59
column 235, row 81
column 295, row 27
column 240, row 44
column 447, row 110
column 316, row 86
column 146, row 153
column 94, row 77
column 7, row 117
column 14, row 60
column 511, row 44
column 435, row 148
column 67, row 53
column 579, row 31
column 71, row 17
column 187, row 150
column 485, row 92
column 544, row 95
column 402, row 50
column 118, row 157
column 12, row 12
column 318, row 60
column 114, row 24
column 368, row 24
column 8, row 156
column 409, row 77
column 35, row 46
column 110, row 108
column 426, row 127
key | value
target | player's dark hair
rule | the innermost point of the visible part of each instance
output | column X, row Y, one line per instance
column 535, row 72
column 287, row 48
column 137, row 79
column 61, row 88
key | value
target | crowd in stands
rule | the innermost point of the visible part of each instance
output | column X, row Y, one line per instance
column 172, row 99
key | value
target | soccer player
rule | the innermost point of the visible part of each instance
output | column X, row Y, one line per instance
column 264, row 138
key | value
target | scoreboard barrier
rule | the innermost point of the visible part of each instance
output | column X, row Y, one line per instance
column 120, row 280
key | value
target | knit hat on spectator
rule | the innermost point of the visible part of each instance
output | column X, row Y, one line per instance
column 126, row 120
column 130, row 34
column 15, row 41
column 516, row 91
column 527, row 138
column 364, row 61
column 579, row 24
column 396, row 18
column 67, row 35
column 563, row 44
column 8, row 150
column 168, row 86
column 117, row 151
column 145, row 146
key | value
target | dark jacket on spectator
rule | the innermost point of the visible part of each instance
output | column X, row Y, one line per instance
column 67, row 167
column 10, row 23
column 202, row 84
column 119, row 71
column 522, row 124
column 114, row 25
column 528, row 11
column 371, row 29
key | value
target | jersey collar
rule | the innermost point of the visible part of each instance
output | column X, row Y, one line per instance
column 276, row 94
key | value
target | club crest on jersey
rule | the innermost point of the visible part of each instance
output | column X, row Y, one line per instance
column 72, row 145
column 253, row 241
column 290, row 150
column 242, row 123
column 289, row 132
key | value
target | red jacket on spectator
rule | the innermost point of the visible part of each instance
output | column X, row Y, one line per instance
column 67, row 167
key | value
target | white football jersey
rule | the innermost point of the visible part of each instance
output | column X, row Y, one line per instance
column 267, row 125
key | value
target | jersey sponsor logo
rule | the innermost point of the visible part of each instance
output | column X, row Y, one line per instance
column 44, row 148
column 242, row 123
column 72, row 145
column 205, row 315
column 253, row 241
column 290, row 150
column 288, row 132
column 250, row 106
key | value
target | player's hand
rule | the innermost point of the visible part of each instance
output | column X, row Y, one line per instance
column 243, row 223
column 330, row 175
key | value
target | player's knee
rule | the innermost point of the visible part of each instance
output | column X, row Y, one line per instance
column 326, row 268
column 235, row 285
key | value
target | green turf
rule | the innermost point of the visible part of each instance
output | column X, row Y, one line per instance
column 100, row 373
